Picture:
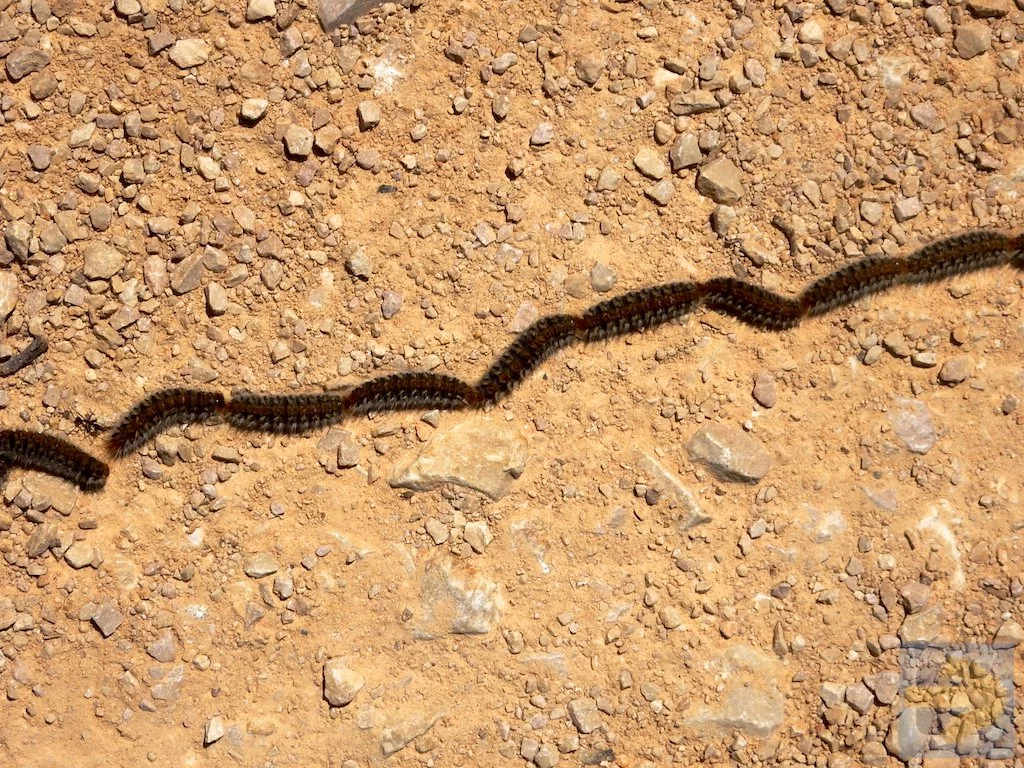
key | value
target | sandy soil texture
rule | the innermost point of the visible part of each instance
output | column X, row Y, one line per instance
column 702, row 545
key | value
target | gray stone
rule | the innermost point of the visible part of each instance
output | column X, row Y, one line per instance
column 169, row 687
column 938, row 19
column 478, row 535
column 753, row 700
column 590, row 68
column 914, row 595
column 128, row 9
column 764, row 390
column 190, row 52
column 260, row 565
column 396, row 737
column 213, row 731
column 18, row 236
column 257, row 10
column 253, row 110
column 609, row 180
column 691, row 514
column 8, row 294
column 359, row 264
column 1010, row 634
column 216, row 300
column 912, row 422
column 662, row 192
column 955, row 370
column 390, row 304
column 694, row 103
column 298, row 140
column 42, row 538
column 871, row 211
column 40, row 157
column 101, row 261
column 503, row 63
column 922, row 628
column 909, row 733
column 860, row 698
column 79, row 555
column 186, row 274
column 542, row 135
column 107, row 618
column 341, row 684
column 685, row 152
column 989, row 9
column 456, row 599
column 885, row 684
column 479, row 453
column 730, row 453
column 23, row 61
column 907, row 208
column 163, row 648
column 720, row 180
column 81, row 135
column 546, row 757
column 368, row 113
column 584, row 715
column 924, row 114
column 602, row 277
column 972, row 39
column 650, row 163
column 337, row 13
column 208, row 168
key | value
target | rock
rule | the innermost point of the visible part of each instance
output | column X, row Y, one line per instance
column 163, row 649
column 298, row 140
column 337, row 13
column 79, row 555
column 730, row 453
column 922, row 628
column 955, row 371
column 257, row 10
column 860, row 698
column 885, row 684
column 208, row 168
column 359, row 264
column 456, row 599
column 260, row 565
column 8, row 294
column 18, row 236
column 213, row 731
column 546, row 757
column 602, row 277
column 909, row 733
column 253, row 110
column 924, row 114
column 609, row 180
column 685, row 152
column 437, row 531
column 871, row 211
column 478, row 536
column 40, row 157
column 341, row 684
column 187, row 273
column 107, row 619
column 649, row 162
column 694, row 103
column 480, row 454
column 912, row 422
column 764, row 390
column 662, row 192
column 670, row 617
column 989, row 9
column 1010, row 634
column 169, row 687
column 907, row 208
column 542, row 135
column 584, row 715
column 368, row 114
column 503, row 63
column 972, row 39
column 938, row 19
column 752, row 696
column 42, row 538
column 914, row 595
column 390, row 304
column 691, row 514
column 190, row 52
column 101, row 261
column 24, row 60
column 396, row 737
column 720, row 180
column 216, row 300
column 590, row 68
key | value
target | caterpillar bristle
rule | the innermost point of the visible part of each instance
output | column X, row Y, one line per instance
column 534, row 345
column 160, row 410
column 409, row 391
column 53, row 455
column 290, row 414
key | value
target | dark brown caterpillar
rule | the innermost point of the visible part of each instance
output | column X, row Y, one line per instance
column 160, row 410
column 409, row 391
column 534, row 345
column 629, row 313
column 284, row 414
column 53, row 455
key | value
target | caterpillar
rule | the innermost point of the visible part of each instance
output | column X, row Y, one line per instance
column 160, row 410
column 33, row 350
column 53, row 455
column 632, row 312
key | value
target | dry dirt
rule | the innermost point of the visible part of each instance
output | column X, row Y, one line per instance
column 624, row 604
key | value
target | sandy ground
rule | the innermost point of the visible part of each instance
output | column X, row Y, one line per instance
column 408, row 193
